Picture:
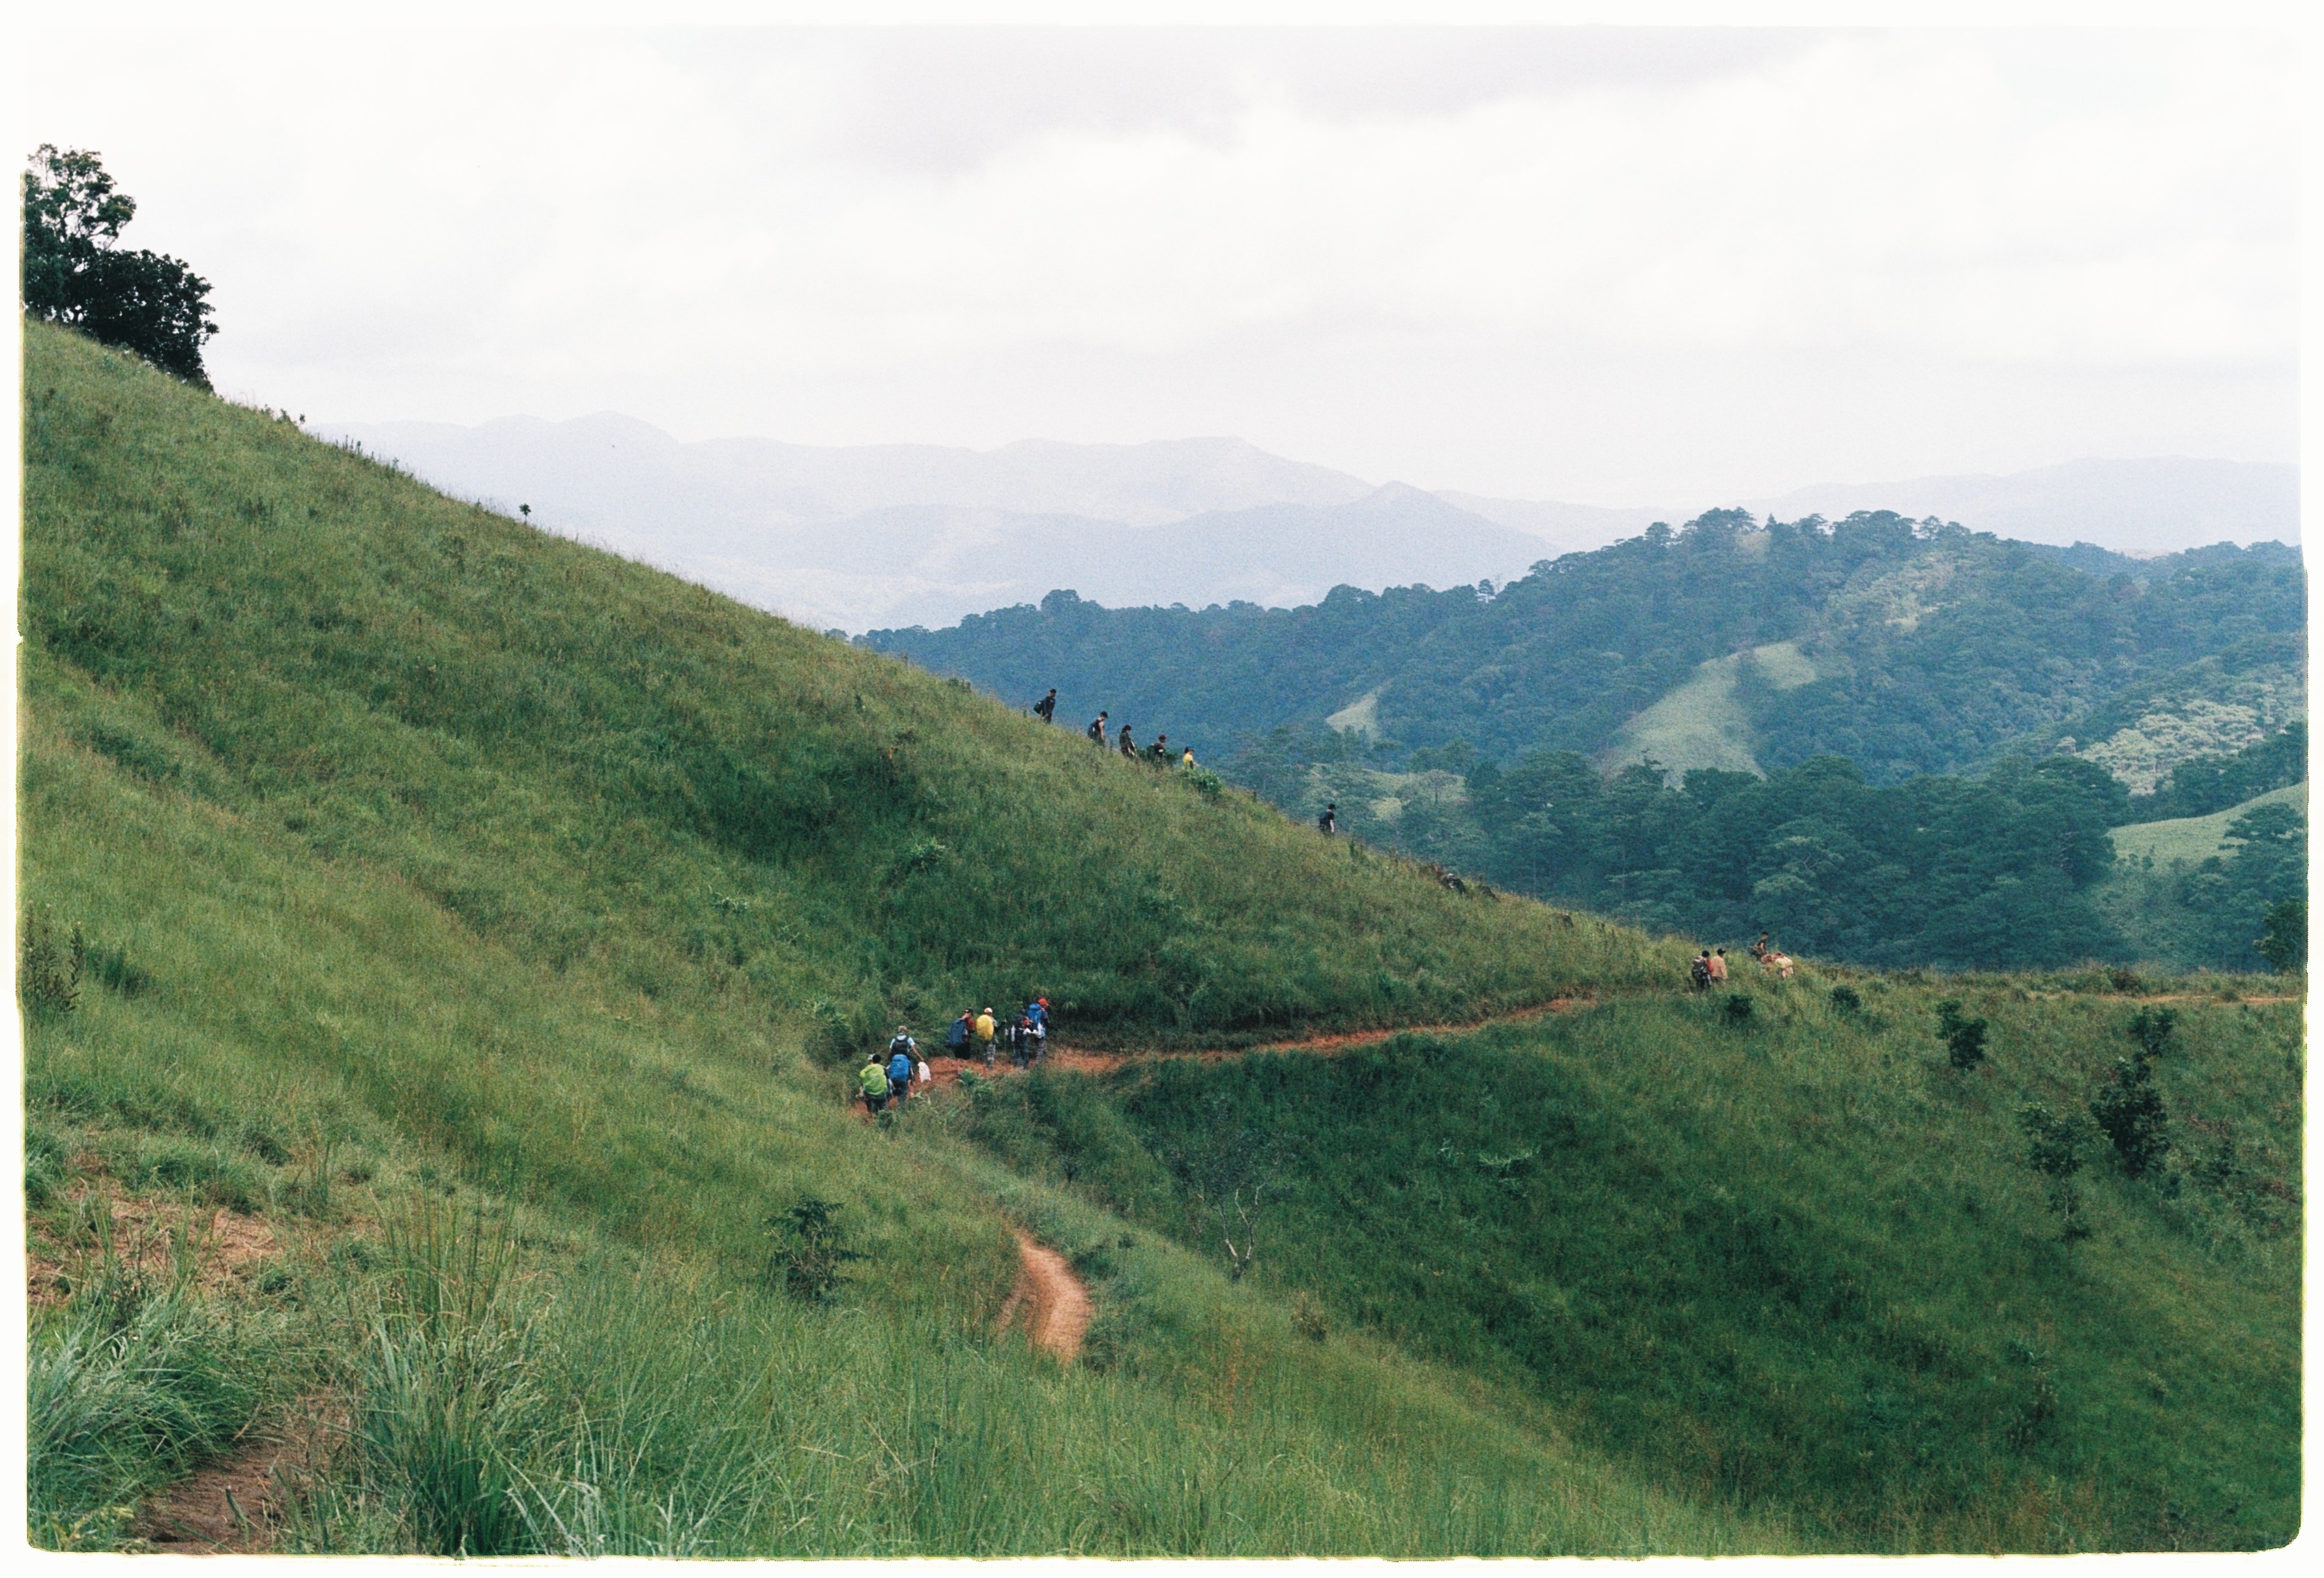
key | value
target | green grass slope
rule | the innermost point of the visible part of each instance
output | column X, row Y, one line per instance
column 471, row 919
column 1795, row 1259
column 2185, row 894
column 2195, row 838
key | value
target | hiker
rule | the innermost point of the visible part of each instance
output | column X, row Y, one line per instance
column 1779, row 962
column 1045, row 709
column 874, row 1082
column 1698, row 971
column 1759, row 948
column 1160, row 750
column 956, row 1037
column 902, row 1052
column 1718, row 965
column 1037, row 1025
column 1097, row 731
column 1020, row 1040
column 985, row 1032
column 1329, row 822
column 1187, row 760
column 1128, row 749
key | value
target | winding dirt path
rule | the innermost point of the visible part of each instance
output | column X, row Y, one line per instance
column 1048, row 1298
column 945, row 1071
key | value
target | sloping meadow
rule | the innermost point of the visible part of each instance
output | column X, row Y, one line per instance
column 1772, row 1248
column 450, row 932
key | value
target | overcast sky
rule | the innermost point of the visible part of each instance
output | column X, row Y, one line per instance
column 1602, row 265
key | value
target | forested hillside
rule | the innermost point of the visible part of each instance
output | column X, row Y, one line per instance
column 1927, row 649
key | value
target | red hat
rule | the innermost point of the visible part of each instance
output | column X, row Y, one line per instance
column 1042, row 1000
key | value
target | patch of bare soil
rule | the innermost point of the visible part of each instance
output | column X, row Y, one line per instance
column 1050, row 1299
column 235, row 1506
column 149, row 1235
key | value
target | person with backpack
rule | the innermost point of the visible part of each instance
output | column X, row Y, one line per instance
column 1698, row 971
column 1328, row 823
column 902, row 1052
column 1128, row 746
column 1037, row 1025
column 956, row 1037
column 1160, row 750
column 1045, row 709
column 985, row 1032
column 1097, row 731
column 873, row 1080
column 1020, row 1041
column 1718, row 964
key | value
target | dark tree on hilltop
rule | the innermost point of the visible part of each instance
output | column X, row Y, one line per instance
column 77, row 274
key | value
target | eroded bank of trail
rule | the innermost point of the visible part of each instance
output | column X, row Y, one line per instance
column 1048, row 1300
column 944, row 1071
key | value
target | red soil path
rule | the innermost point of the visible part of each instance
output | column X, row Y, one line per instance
column 1050, row 1299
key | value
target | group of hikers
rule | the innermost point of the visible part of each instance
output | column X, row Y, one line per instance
column 1103, row 736
column 1709, row 967
column 891, row 1076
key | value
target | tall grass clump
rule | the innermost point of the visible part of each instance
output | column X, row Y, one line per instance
column 126, row 1389
column 450, row 1395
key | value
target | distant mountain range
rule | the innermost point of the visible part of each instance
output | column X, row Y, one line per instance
column 923, row 534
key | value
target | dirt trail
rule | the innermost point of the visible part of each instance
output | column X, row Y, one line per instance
column 1050, row 1299
column 232, row 1508
column 945, row 1071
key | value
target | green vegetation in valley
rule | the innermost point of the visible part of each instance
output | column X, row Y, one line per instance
column 2200, row 889
column 467, row 922
column 1787, row 1254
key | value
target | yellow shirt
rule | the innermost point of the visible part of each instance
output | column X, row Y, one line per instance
column 985, row 1027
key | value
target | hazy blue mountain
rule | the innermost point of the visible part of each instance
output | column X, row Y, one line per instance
column 917, row 534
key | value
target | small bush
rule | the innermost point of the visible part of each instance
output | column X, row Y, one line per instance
column 48, row 970
column 1736, row 1008
column 1207, row 784
column 2151, row 1028
column 1964, row 1038
column 811, row 1252
column 2129, row 1111
column 2054, row 1149
column 1845, row 999
column 2127, row 981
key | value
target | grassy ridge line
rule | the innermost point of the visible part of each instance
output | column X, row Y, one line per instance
column 586, row 758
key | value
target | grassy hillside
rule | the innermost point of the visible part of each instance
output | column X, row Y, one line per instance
column 468, row 919
column 2195, row 838
column 469, row 926
column 1795, row 1259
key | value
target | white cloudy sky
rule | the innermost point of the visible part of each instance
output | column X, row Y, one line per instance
column 1610, row 265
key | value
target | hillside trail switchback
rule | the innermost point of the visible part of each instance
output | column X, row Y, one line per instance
column 1048, row 1298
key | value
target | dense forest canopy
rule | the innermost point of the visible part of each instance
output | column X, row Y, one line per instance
column 1934, row 648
